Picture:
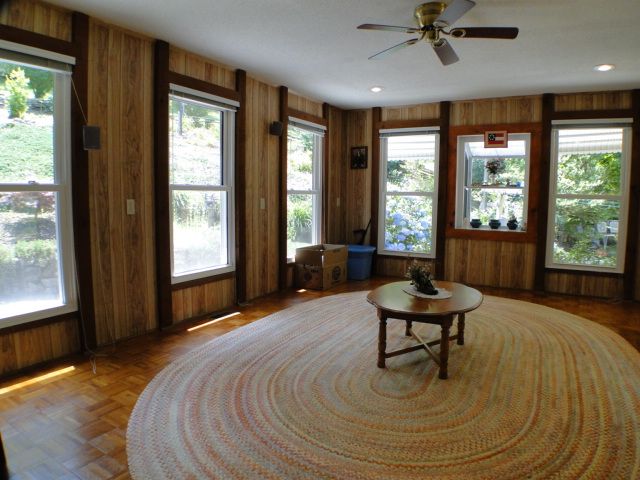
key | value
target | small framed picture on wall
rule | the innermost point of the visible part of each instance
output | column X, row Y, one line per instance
column 359, row 157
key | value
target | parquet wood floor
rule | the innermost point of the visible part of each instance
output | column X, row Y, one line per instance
column 73, row 425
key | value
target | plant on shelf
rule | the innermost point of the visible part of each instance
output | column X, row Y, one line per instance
column 494, row 166
column 421, row 278
column 512, row 224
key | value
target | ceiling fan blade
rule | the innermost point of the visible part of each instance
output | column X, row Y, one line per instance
column 388, row 28
column 454, row 11
column 394, row 48
column 485, row 32
column 445, row 52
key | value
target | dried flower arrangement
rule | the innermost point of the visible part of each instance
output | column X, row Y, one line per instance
column 494, row 166
column 421, row 278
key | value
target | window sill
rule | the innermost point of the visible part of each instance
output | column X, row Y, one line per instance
column 501, row 234
column 195, row 282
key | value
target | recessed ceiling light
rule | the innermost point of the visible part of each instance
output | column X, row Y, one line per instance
column 605, row 67
column 376, row 89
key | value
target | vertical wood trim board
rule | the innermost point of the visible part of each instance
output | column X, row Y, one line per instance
column 282, row 184
column 375, row 180
column 543, row 189
column 240, row 188
column 80, row 183
column 631, row 255
column 161, row 165
column 443, row 169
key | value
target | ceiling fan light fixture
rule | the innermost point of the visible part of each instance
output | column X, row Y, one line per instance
column 376, row 89
column 605, row 67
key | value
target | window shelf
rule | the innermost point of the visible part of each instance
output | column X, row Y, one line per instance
column 495, row 187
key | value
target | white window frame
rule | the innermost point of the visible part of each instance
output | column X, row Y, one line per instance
column 382, row 201
column 316, row 173
column 623, row 198
column 227, row 181
column 463, row 174
column 61, row 186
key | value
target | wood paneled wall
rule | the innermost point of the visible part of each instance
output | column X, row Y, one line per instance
column 195, row 66
column 580, row 102
column 120, row 103
column 203, row 299
column 488, row 262
column 37, row 17
column 22, row 348
column 425, row 111
column 262, row 174
column 306, row 105
column 497, row 110
column 357, row 205
column 336, row 177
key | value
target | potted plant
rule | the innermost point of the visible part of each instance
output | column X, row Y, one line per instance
column 421, row 278
column 512, row 224
column 493, row 167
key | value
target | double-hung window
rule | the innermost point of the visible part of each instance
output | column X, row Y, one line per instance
column 304, row 184
column 493, row 183
column 36, row 238
column 408, row 192
column 589, row 191
column 201, row 164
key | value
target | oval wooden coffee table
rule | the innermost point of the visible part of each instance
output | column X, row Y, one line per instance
column 393, row 302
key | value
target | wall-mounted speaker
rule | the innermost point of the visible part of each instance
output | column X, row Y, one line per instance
column 91, row 137
column 276, row 128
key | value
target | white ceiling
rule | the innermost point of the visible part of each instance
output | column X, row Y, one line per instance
column 314, row 48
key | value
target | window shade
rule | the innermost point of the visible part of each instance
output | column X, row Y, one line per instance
column 28, row 60
column 310, row 126
column 396, row 132
column 202, row 98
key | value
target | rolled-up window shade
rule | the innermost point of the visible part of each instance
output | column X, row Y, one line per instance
column 396, row 132
column 315, row 128
column 202, row 98
column 49, row 61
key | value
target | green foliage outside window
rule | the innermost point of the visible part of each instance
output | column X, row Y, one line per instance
column 586, row 229
column 18, row 86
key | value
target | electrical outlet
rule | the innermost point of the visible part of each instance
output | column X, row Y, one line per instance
column 263, row 204
column 131, row 206
column 338, row 202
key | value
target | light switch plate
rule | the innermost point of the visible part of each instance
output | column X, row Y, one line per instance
column 131, row 206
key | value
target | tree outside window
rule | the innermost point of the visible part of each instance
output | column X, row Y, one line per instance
column 589, row 190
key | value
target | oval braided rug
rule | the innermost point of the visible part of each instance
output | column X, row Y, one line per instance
column 534, row 393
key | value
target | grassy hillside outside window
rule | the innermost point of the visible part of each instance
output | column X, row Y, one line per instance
column 36, row 249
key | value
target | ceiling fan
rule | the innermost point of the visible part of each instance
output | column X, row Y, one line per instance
column 433, row 20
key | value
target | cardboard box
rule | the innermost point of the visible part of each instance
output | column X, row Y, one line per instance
column 319, row 267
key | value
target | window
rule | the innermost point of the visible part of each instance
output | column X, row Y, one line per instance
column 304, row 187
column 36, row 236
column 408, row 192
column 589, row 189
column 201, row 150
column 493, row 183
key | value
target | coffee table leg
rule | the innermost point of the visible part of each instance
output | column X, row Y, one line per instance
column 461, row 329
column 407, row 330
column 382, row 340
column 444, row 346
